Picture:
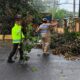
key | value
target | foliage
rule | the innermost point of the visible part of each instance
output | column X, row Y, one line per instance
column 30, row 38
column 61, row 13
column 68, row 43
column 9, row 8
column 71, row 36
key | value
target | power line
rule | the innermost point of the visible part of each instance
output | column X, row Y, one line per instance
column 66, row 4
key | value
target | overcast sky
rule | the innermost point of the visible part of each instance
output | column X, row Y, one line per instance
column 69, row 7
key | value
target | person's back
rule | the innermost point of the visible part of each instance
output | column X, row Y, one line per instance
column 44, row 28
column 16, row 33
column 45, row 35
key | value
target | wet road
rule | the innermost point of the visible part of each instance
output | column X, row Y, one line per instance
column 38, row 67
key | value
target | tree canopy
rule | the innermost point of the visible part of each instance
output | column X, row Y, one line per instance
column 9, row 8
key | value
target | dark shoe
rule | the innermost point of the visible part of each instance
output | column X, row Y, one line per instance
column 10, row 61
column 46, row 54
column 21, row 62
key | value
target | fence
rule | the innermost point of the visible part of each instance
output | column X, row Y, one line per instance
column 59, row 28
column 72, row 25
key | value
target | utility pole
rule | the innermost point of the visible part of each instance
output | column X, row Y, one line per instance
column 79, row 8
column 74, row 8
column 79, row 15
column 53, row 7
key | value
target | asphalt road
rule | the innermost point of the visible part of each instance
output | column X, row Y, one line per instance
column 38, row 67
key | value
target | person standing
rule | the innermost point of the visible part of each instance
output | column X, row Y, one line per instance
column 17, row 36
column 44, row 29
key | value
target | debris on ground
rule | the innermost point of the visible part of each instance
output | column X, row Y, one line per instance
column 69, row 46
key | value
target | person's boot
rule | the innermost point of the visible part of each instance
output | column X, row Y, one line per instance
column 10, row 61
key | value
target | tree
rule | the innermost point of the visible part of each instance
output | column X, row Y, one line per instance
column 60, row 14
column 9, row 8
